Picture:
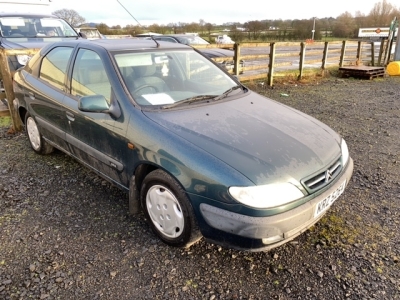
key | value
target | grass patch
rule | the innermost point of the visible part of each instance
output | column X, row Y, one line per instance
column 5, row 122
column 332, row 230
column 310, row 75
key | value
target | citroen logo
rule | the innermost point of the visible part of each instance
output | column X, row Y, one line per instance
column 328, row 175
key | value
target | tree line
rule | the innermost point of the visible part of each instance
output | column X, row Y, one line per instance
column 345, row 25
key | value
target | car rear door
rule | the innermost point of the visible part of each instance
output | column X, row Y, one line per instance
column 45, row 92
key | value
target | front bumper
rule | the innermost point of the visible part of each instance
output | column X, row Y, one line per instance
column 264, row 233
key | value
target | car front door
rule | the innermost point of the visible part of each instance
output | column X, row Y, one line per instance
column 92, row 136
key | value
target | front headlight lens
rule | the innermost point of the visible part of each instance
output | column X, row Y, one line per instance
column 23, row 59
column 266, row 196
column 345, row 152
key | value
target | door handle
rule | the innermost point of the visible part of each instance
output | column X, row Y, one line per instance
column 31, row 95
column 70, row 116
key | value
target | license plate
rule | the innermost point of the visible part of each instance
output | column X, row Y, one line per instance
column 324, row 204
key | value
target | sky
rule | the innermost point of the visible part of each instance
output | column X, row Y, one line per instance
column 162, row 12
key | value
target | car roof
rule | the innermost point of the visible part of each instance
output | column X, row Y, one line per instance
column 123, row 44
column 29, row 15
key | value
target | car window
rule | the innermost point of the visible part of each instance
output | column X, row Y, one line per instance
column 198, row 40
column 166, row 39
column 89, row 76
column 199, row 69
column 166, row 77
column 54, row 66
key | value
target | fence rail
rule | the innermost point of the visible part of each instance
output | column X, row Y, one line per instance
column 283, row 56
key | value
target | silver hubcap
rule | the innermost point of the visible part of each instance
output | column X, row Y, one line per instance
column 165, row 211
column 33, row 133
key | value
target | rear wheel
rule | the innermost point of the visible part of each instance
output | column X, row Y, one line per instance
column 38, row 144
column 168, row 210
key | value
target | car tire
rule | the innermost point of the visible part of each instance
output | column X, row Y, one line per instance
column 38, row 144
column 168, row 210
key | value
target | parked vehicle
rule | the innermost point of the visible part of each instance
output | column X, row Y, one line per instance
column 223, row 39
column 211, row 52
column 200, row 153
column 90, row 33
column 25, row 31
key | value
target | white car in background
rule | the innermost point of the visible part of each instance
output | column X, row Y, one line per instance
column 224, row 39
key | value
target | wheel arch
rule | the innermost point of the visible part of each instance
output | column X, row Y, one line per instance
column 136, row 182
column 22, row 113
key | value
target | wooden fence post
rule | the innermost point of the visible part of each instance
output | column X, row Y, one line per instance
column 8, row 86
column 342, row 54
column 381, row 49
column 236, row 59
column 325, row 55
column 372, row 54
column 358, row 57
column 302, row 59
column 271, row 64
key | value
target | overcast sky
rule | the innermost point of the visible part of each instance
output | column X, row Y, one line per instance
column 148, row 12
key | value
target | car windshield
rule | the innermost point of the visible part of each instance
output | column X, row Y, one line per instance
column 192, row 40
column 168, row 78
column 33, row 27
column 91, row 33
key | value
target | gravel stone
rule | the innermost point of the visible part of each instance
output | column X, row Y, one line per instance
column 66, row 233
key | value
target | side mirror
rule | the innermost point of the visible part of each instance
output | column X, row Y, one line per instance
column 99, row 104
column 82, row 35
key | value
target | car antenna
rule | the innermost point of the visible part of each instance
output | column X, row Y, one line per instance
column 155, row 41
column 129, row 13
column 158, row 45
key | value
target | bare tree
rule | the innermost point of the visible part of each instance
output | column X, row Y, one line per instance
column 154, row 28
column 192, row 27
column 70, row 15
column 254, row 27
column 103, row 28
column 302, row 29
column 236, row 34
column 382, row 13
column 202, row 23
column 209, row 27
column 345, row 26
column 360, row 19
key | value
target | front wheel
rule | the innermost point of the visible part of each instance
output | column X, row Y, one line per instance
column 168, row 210
column 38, row 144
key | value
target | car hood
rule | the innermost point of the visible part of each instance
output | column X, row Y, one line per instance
column 212, row 53
column 29, row 43
column 263, row 139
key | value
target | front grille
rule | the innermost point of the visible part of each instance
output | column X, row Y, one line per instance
column 323, row 178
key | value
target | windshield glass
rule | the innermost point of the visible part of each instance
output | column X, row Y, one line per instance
column 91, row 33
column 192, row 40
column 169, row 77
column 33, row 27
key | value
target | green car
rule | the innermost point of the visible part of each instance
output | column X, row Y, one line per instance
column 199, row 153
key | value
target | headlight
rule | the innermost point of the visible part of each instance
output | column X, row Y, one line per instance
column 345, row 152
column 23, row 59
column 266, row 196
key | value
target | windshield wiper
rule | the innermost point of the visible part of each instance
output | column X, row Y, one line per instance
column 227, row 92
column 189, row 101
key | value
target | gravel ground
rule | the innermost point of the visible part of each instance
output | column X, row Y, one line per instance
column 66, row 234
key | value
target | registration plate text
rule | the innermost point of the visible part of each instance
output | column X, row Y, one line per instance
column 324, row 204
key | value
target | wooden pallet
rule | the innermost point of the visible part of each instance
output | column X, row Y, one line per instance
column 364, row 72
